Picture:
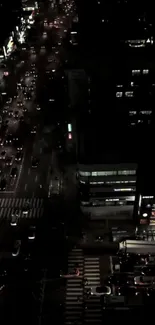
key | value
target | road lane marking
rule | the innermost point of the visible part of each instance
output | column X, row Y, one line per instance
column 25, row 188
column 111, row 265
column 20, row 171
column 29, row 171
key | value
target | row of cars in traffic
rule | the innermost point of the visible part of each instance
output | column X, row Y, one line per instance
column 16, row 110
column 133, row 276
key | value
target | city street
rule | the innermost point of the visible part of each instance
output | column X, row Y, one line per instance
column 39, row 60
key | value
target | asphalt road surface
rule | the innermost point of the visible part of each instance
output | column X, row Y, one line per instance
column 32, row 182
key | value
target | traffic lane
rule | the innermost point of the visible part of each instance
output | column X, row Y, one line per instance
column 25, row 55
column 37, row 177
column 28, row 180
column 34, row 180
column 31, row 181
column 12, row 80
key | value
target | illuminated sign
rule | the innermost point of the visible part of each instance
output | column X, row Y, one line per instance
column 143, row 221
column 69, row 127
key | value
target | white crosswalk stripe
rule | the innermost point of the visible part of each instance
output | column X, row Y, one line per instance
column 74, row 289
column 8, row 206
column 93, row 312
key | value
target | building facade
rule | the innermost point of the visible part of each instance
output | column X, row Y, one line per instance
column 107, row 191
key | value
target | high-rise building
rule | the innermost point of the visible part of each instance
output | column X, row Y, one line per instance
column 115, row 126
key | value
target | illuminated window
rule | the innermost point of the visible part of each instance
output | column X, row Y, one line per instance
column 119, row 94
column 135, row 72
column 81, row 173
column 119, row 86
column 126, row 172
column 131, row 113
column 129, row 93
column 94, row 173
column 123, row 189
column 107, row 173
column 146, row 112
column 145, row 71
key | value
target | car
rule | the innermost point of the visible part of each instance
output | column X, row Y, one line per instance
column 16, row 248
column 9, row 101
column 3, row 155
column 35, row 162
column 16, row 114
column 19, row 156
column 32, row 233
column 31, row 88
column 14, row 218
column 3, row 184
column 121, row 278
column 15, row 137
column 19, row 146
column 9, row 161
column 14, row 172
column 19, row 104
column 5, row 110
column 8, row 139
column 28, row 97
column 145, row 270
column 26, row 208
column 24, row 109
column 144, row 280
column 34, row 130
column 100, row 291
column 1, row 142
column 99, row 239
column 10, row 113
column 38, row 108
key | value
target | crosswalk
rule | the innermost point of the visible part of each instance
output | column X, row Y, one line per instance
column 93, row 312
column 8, row 206
column 74, row 289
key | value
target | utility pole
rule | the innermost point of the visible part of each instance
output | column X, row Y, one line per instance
column 43, row 286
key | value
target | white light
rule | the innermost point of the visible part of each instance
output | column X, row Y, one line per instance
column 31, row 237
column 13, row 224
column 122, row 189
column 145, row 71
column 69, row 128
column 119, row 94
column 145, row 215
column 140, row 201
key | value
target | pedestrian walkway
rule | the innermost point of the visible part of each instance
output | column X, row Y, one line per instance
column 93, row 310
column 8, row 206
column 74, row 289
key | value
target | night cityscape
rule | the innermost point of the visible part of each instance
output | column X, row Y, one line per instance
column 77, row 197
